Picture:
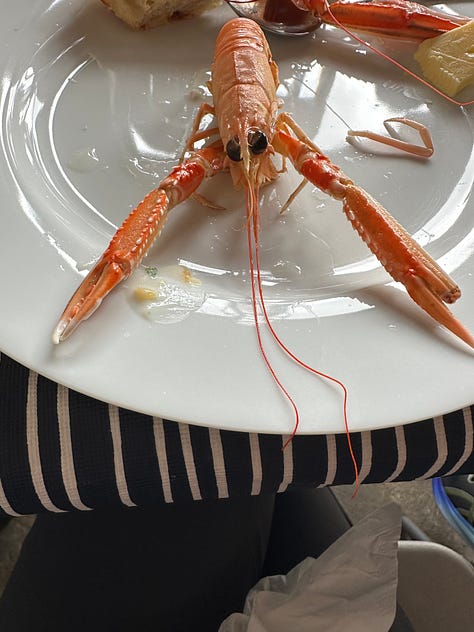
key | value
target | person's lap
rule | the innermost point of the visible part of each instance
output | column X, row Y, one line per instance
column 173, row 568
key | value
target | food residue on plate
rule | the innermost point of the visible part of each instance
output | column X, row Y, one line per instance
column 167, row 294
column 143, row 294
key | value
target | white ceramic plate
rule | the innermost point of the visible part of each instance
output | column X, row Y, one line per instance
column 94, row 115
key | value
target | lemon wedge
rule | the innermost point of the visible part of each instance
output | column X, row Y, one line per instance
column 447, row 61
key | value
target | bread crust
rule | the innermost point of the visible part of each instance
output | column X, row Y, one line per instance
column 147, row 14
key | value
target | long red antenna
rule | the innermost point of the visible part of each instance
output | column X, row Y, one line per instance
column 296, row 359
column 252, row 212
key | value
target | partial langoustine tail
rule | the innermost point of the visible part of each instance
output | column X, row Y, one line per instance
column 394, row 18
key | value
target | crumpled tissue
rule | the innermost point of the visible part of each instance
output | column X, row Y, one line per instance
column 351, row 587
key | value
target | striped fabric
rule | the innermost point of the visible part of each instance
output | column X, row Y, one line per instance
column 62, row 451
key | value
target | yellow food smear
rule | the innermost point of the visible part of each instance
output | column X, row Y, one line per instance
column 447, row 61
column 189, row 278
column 142, row 294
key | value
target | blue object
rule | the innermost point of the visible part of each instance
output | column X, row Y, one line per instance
column 451, row 513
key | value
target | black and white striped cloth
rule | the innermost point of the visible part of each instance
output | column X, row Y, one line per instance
column 63, row 451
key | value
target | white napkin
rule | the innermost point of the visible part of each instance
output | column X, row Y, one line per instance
column 351, row 587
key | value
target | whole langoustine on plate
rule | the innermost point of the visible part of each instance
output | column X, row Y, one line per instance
column 249, row 130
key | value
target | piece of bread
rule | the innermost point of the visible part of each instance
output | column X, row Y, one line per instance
column 146, row 14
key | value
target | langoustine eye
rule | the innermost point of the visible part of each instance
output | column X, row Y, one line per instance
column 257, row 141
column 233, row 149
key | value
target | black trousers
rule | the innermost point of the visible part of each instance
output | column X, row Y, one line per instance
column 174, row 568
